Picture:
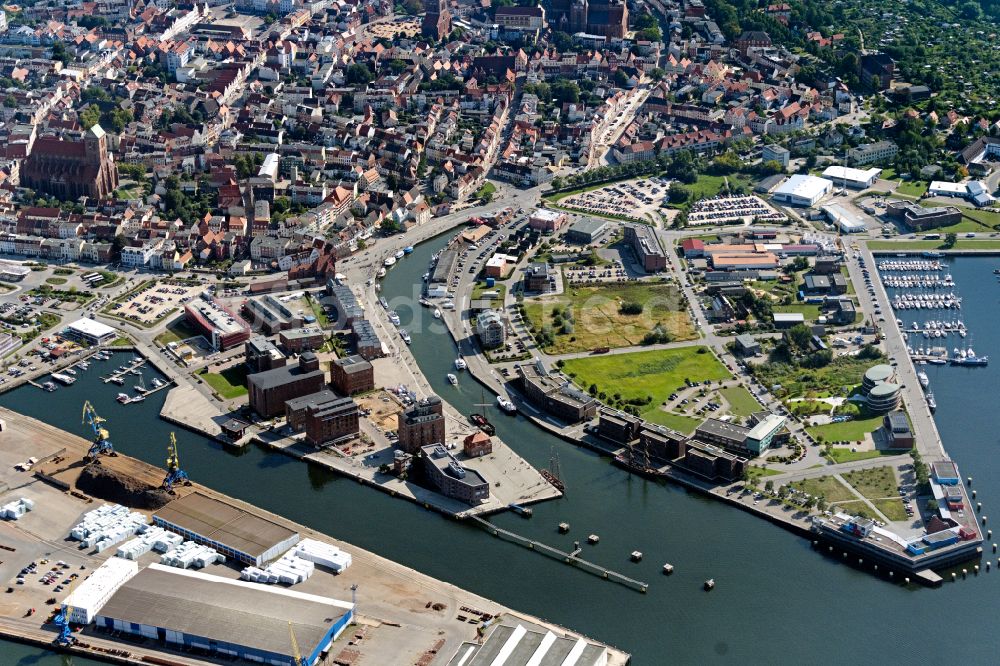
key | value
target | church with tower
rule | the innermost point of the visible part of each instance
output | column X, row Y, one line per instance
column 69, row 168
column 594, row 17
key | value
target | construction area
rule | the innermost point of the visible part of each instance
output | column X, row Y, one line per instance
column 111, row 565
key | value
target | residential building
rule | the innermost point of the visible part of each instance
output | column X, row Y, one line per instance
column 870, row 153
column 298, row 340
column 451, row 478
column 555, row 395
column 352, row 374
column 421, row 424
column 491, row 329
column 775, row 153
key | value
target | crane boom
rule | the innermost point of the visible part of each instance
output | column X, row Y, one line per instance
column 299, row 661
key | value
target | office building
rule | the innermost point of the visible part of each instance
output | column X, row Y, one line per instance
column 326, row 418
column 546, row 220
column 646, row 246
column 539, row 278
column 588, row 230
column 919, row 218
column 223, row 328
column 90, row 332
column 775, row 153
column 261, row 355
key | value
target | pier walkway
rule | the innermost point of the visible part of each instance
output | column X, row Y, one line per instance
column 568, row 558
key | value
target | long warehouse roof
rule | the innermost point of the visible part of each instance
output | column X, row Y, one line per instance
column 221, row 609
column 224, row 523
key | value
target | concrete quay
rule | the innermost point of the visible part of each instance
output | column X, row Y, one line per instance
column 395, row 617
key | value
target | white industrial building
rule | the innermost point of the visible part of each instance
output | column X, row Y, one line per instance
column 233, row 618
column 91, row 332
column 845, row 220
column 859, row 179
column 974, row 191
column 83, row 604
column 803, row 190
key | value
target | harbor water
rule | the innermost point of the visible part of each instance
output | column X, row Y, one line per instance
column 776, row 600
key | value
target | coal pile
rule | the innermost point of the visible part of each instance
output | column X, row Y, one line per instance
column 107, row 484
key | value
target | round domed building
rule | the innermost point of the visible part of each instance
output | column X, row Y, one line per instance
column 880, row 388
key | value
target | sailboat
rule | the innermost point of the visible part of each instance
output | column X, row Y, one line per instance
column 552, row 474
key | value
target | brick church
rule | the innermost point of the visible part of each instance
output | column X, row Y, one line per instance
column 70, row 168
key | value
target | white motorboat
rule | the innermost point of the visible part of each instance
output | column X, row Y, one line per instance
column 460, row 364
column 506, row 405
column 452, row 379
column 437, row 313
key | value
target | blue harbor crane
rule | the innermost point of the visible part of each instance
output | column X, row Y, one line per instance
column 102, row 439
column 175, row 475
column 61, row 620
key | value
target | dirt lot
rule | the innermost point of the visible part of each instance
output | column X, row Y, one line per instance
column 383, row 409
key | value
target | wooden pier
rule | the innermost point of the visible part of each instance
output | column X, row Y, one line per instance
column 555, row 553
column 118, row 374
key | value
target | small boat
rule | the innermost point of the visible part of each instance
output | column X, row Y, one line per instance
column 437, row 313
column 709, row 584
column 394, row 318
column 381, row 272
column 70, row 371
column 122, row 398
column 49, row 387
column 668, row 569
column 399, row 254
column 426, row 275
column 452, row 379
column 83, row 365
column 923, row 379
column 65, row 380
column 408, row 249
column 383, row 302
column 480, row 421
column 403, row 333
column 389, row 262
column 931, row 402
column 594, row 539
column 117, row 380
column 506, row 405
column 460, row 364
column 138, row 398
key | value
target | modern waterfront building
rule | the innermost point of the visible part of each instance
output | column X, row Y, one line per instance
column 451, row 478
column 762, row 435
column 491, row 329
column 223, row 328
column 880, row 389
column 919, row 218
column 91, row 332
column 83, row 604
column 555, row 395
column 232, row 618
column 270, row 390
column 234, row 532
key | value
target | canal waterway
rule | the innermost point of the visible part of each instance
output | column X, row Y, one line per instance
column 776, row 600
